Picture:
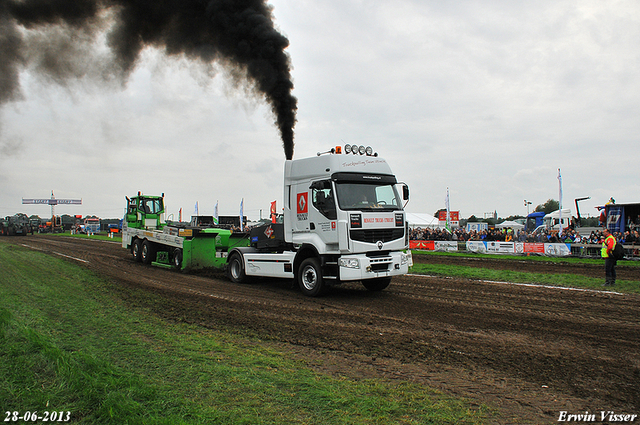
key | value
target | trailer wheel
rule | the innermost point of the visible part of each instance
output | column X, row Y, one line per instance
column 235, row 269
column 136, row 250
column 377, row 284
column 148, row 253
column 310, row 278
column 177, row 258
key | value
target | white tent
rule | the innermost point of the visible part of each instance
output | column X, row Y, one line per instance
column 422, row 220
column 512, row 224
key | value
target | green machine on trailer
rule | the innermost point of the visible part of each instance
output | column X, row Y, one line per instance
column 181, row 245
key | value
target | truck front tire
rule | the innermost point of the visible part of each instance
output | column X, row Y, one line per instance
column 310, row 277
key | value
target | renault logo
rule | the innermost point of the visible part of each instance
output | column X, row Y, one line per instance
column 380, row 244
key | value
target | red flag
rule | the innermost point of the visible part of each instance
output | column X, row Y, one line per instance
column 273, row 212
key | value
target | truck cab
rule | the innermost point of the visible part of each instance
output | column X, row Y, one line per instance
column 534, row 220
column 558, row 220
column 343, row 221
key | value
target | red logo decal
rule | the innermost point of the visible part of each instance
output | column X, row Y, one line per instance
column 302, row 203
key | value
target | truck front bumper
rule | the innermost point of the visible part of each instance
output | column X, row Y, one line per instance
column 362, row 267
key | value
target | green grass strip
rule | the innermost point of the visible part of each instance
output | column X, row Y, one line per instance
column 564, row 280
column 531, row 258
column 67, row 343
column 103, row 236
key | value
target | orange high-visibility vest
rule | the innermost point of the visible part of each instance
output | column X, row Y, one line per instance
column 603, row 251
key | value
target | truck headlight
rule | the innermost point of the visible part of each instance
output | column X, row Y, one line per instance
column 352, row 263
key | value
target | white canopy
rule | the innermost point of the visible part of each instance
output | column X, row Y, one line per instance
column 422, row 220
column 512, row 224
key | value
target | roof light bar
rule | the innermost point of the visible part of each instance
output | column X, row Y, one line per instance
column 355, row 149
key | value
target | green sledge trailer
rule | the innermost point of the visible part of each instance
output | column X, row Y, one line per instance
column 184, row 246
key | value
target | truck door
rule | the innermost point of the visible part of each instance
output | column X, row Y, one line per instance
column 322, row 213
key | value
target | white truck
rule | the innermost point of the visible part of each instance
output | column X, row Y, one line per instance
column 552, row 220
column 343, row 221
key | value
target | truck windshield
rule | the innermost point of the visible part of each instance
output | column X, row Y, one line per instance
column 151, row 205
column 363, row 196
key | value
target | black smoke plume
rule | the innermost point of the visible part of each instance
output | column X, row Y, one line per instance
column 239, row 34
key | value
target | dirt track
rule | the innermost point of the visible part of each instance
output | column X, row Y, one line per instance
column 529, row 351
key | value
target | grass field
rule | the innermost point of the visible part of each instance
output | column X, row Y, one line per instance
column 68, row 344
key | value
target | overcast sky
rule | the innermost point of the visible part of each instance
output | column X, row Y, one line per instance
column 485, row 98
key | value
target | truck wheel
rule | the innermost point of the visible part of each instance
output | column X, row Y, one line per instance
column 148, row 253
column 377, row 284
column 177, row 259
column 235, row 269
column 136, row 250
column 310, row 278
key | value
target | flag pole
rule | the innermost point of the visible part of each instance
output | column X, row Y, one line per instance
column 560, row 202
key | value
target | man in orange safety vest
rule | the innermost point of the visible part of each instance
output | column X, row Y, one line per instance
column 608, row 244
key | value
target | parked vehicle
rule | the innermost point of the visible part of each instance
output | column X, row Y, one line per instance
column 15, row 225
column 91, row 225
column 534, row 220
column 558, row 220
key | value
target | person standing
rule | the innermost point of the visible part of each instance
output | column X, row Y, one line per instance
column 608, row 244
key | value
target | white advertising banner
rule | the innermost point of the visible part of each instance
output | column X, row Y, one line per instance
column 557, row 249
column 477, row 227
column 500, row 247
column 476, row 246
column 448, row 246
column 497, row 247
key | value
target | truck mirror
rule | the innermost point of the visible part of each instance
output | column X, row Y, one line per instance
column 405, row 192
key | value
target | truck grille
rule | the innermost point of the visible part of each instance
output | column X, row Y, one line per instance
column 380, row 265
column 375, row 235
